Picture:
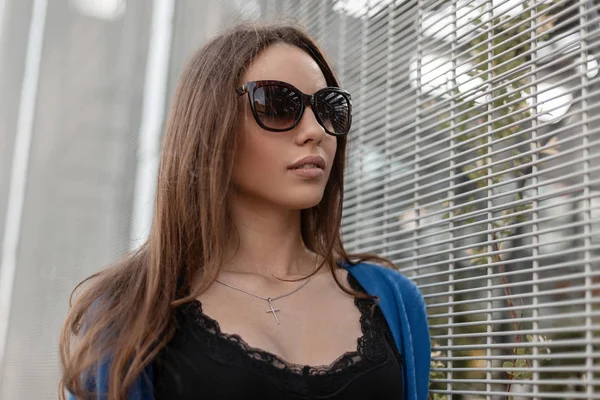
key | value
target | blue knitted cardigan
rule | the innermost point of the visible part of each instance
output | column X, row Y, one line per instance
column 403, row 307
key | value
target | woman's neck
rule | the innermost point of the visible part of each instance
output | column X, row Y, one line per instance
column 266, row 242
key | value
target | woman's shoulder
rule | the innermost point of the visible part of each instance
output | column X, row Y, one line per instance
column 382, row 274
column 388, row 282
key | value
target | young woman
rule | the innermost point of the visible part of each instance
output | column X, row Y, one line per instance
column 243, row 288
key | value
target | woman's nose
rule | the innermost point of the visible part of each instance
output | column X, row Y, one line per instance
column 309, row 127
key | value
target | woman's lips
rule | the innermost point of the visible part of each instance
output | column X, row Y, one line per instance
column 307, row 172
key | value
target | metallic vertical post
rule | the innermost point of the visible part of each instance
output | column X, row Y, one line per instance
column 534, row 212
column 20, row 165
column 341, row 53
column 588, row 376
column 359, row 131
column 417, row 212
column 490, row 215
column 153, row 111
column 453, row 104
column 391, row 18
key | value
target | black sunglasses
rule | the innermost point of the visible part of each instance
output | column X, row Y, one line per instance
column 278, row 106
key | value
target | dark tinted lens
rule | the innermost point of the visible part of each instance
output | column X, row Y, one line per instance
column 334, row 111
column 277, row 107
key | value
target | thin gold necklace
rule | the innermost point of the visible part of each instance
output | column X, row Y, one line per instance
column 270, row 300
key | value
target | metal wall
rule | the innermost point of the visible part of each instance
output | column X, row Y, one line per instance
column 473, row 165
column 75, row 178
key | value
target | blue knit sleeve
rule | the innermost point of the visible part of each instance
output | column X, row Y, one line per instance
column 142, row 388
column 404, row 308
column 89, row 384
column 417, row 316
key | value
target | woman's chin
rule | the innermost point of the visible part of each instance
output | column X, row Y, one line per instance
column 304, row 202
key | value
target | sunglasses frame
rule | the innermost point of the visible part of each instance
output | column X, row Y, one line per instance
column 306, row 99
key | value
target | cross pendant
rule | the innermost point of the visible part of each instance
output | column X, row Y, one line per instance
column 273, row 310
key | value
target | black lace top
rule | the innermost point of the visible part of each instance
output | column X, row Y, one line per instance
column 201, row 362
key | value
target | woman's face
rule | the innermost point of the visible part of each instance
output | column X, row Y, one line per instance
column 261, row 171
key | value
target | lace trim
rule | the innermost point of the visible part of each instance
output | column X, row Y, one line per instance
column 231, row 349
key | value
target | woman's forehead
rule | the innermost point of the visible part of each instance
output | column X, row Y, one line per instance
column 283, row 62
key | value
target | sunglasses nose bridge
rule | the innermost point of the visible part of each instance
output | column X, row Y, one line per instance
column 309, row 100
column 317, row 126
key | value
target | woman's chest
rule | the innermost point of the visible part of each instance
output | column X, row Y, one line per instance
column 308, row 329
column 204, row 359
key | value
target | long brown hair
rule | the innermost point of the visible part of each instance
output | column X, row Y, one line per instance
column 126, row 311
